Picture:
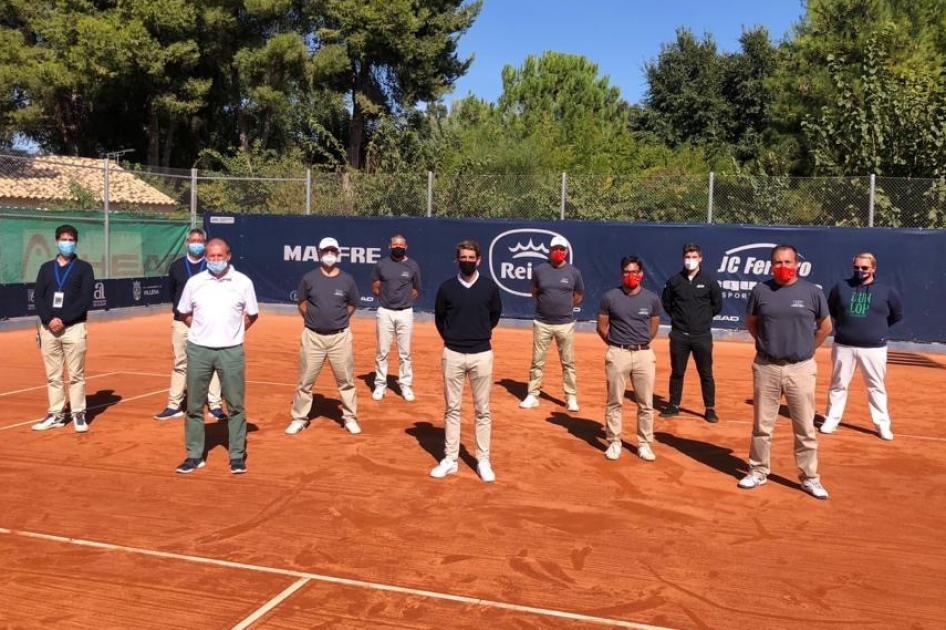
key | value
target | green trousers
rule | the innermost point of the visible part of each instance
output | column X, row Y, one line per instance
column 228, row 364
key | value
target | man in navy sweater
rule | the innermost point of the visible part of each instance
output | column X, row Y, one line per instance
column 466, row 310
column 863, row 310
column 65, row 287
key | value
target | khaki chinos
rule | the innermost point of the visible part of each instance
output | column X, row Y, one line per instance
column 179, row 372
column 641, row 365
column 394, row 324
column 797, row 382
column 314, row 350
column 456, row 367
column 542, row 335
column 65, row 348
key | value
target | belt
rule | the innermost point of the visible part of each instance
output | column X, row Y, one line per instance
column 400, row 308
column 634, row 347
column 773, row 361
column 320, row 331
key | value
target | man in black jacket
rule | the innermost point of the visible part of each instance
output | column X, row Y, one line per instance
column 692, row 298
column 63, row 295
column 466, row 310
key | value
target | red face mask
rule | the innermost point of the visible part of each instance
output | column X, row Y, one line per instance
column 557, row 256
column 783, row 274
column 632, row 281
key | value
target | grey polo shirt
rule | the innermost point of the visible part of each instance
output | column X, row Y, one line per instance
column 629, row 315
column 788, row 316
column 556, row 287
column 328, row 298
column 398, row 278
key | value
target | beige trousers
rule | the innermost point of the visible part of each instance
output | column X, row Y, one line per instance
column 797, row 382
column 314, row 350
column 179, row 372
column 394, row 325
column 456, row 367
column 542, row 335
column 66, row 349
column 641, row 365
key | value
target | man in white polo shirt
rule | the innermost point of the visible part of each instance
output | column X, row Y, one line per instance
column 218, row 306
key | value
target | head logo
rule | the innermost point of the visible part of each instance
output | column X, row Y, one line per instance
column 136, row 290
column 743, row 267
column 512, row 255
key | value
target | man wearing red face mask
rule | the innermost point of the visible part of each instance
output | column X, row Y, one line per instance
column 628, row 319
column 557, row 288
column 788, row 318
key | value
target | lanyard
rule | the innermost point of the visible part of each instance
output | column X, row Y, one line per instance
column 65, row 274
column 200, row 267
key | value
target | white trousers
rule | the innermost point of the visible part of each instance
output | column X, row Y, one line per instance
column 394, row 325
column 873, row 364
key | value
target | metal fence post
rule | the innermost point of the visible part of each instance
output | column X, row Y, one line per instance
column 561, row 212
column 193, row 198
column 108, row 236
column 709, row 205
column 308, row 191
column 870, row 207
column 430, row 193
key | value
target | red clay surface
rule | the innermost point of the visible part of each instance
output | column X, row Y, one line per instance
column 674, row 544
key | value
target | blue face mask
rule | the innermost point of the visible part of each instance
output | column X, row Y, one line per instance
column 67, row 248
column 195, row 249
column 217, row 266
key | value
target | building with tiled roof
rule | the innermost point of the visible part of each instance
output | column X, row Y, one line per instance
column 52, row 181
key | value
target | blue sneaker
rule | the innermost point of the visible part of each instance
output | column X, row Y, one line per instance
column 169, row 413
column 189, row 465
column 237, row 466
column 217, row 413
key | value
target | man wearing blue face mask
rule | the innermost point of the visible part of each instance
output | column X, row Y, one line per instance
column 182, row 270
column 63, row 296
column 863, row 310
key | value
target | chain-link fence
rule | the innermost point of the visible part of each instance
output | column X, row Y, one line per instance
column 127, row 208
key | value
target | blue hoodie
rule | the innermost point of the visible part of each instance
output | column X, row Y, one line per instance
column 863, row 313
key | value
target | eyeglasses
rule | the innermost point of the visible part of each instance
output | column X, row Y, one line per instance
column 856, row 268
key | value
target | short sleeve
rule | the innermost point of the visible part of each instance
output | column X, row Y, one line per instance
column 250, row 305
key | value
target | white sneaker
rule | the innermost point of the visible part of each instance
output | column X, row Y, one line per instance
column 296, row 426
column 884, row 431
column 51, row 421
column 378, row 393
column 814, row 488
column 752, row 480
column 352, row 427
column 830, row 425
column 408, row 393
column 446, row 467
column 572, row 404
column 486, row 472
column 645, row 452
column 529, row 402
column 614, row 450
column 79, row 422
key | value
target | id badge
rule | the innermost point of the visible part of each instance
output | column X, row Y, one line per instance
column 58, row 297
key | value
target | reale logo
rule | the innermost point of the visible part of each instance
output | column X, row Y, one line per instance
column 512, row 255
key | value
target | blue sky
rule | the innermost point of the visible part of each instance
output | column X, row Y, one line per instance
column 618, row 35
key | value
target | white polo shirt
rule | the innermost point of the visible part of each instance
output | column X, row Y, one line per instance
column 218, row 306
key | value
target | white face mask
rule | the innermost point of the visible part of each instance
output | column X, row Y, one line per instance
column 691, row 264
column 329, row 260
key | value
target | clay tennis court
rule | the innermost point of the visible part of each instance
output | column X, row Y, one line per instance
column 330, row 530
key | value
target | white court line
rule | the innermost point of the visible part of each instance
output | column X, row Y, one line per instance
column 376, row 586
column 111, row 404
column 246, row 381
column 29, row 389
column 268, row 606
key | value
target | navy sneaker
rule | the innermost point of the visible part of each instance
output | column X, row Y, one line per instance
column 217, row 413
column 168, row 413
column 237, row 466
column 189, row 465
column 79, row 422
column 670, row 411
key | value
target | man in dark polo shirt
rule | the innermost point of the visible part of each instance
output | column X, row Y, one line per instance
column 63, row 293
column 396, row 283
column 788, row 318
column 557, row 288
column 691, row 299
column 628, row 320
column 327, row 298
column 180, row 271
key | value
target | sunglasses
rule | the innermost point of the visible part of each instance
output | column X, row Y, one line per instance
column 856, row 268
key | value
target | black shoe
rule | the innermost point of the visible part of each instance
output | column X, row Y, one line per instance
column 711, row 416
column 670, row 411
column 237, row 466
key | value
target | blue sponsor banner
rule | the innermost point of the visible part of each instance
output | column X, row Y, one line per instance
column 17, row 299
column 276, row 251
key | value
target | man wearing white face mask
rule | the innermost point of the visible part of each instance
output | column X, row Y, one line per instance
column 180, row 271
column 327, row 298
column 692, row 298
column 63, row 296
